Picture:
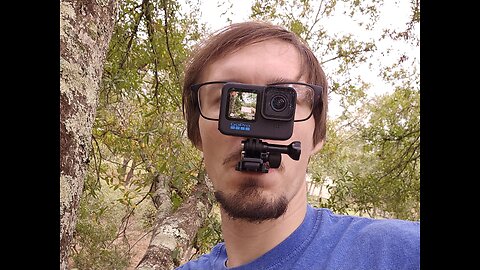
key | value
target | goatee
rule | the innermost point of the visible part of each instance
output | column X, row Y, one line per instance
column 249, row 204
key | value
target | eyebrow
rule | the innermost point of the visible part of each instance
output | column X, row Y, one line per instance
column 282, row 79
column 276, row 79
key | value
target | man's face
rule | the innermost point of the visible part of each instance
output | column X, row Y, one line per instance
column 249, row 195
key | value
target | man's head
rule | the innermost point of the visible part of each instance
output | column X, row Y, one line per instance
column 233, row 38
column 253, row 53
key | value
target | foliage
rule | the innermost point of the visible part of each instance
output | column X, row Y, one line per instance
column 139, row 131
column 376, row 164
column 148, row 217
column 210, row 233
column 96, row 232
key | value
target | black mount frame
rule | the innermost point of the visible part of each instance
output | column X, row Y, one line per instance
column 258, row 156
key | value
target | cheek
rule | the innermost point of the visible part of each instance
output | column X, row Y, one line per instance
column 216, row 146
column 208, row 134
column 207, row 129
column 303, row 132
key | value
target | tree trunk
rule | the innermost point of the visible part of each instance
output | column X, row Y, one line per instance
column 173, row 234
column 85, row 31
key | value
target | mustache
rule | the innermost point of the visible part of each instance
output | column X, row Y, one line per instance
column 235, row 156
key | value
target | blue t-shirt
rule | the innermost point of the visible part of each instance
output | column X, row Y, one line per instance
column 326, row 240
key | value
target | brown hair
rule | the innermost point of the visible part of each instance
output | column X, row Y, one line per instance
column 239, row 35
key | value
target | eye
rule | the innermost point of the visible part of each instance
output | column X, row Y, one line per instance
column 302, row 96
column 216, row 101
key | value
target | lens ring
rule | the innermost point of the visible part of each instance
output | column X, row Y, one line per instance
column 278, row 103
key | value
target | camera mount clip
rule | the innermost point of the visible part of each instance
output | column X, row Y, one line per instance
column 258, row 156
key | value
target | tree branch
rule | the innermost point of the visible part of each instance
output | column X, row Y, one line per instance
column 165, row 28
column 132, row 36
column 173, row 235
column 315, row 21
column 151, row 34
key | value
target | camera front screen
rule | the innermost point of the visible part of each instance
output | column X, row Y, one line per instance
column 242, row 104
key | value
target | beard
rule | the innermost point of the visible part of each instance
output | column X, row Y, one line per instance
column 249, row 204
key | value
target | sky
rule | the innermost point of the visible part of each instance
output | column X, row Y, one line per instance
column 395, row 15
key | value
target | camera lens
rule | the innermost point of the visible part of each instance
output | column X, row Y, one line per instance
column 278, row 103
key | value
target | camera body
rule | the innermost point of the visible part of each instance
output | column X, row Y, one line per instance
column 256, row 111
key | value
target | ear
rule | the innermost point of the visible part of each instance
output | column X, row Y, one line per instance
column 317, row 147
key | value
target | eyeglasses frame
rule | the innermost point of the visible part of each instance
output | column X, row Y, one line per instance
column 316, row 88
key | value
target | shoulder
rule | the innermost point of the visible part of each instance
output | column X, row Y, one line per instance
column 392, row 231
column 376, row 230
column 389, row 242
column 371, row 243
column 205, row 261
column 367, row 227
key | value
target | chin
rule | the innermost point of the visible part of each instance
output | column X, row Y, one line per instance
column 252, row 202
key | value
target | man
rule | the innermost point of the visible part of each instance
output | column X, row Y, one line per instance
column 266, row 220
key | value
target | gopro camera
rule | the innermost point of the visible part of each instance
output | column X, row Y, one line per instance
column 256, row 111
column 259, row 112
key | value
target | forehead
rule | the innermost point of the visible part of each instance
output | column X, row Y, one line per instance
column 258, row 63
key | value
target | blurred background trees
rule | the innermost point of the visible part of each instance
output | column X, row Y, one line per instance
column 146, row 196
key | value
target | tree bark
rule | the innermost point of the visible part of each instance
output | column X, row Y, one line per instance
column 173, row 234
column 86, row 27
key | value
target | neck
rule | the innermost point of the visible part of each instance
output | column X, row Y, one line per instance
column 246, row 241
